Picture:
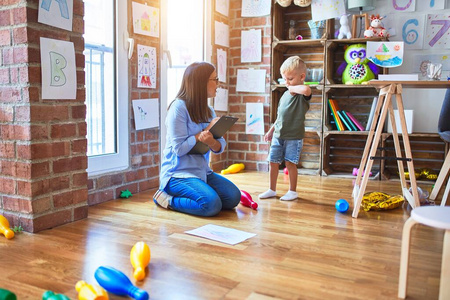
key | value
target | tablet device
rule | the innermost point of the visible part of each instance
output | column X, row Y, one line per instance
column 218, row 130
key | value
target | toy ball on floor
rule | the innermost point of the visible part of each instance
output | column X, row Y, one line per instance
column 286, row 171
column 246, row 200
column 342, row 205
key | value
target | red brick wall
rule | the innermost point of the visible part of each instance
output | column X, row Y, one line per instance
column 247, row 148
column 143, row 173
column 43, row 182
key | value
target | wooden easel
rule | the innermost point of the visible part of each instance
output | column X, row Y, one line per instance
column 387, row 90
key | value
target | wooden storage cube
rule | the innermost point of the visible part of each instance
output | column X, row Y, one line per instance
column 343, row 152
column 357, row 100
column 335, row 57
column 311, row 52
column 301, row 15
column 428, row 151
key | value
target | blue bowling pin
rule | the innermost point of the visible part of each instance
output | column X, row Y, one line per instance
column 118, row 283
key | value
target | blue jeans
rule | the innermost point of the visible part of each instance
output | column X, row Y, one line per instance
column 288, row 150
column 194, row 196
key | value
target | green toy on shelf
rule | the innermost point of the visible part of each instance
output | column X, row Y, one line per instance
column 125, row 194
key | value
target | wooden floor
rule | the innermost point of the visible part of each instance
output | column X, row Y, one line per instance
column 303, row 249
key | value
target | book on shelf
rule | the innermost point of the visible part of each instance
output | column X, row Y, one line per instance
column 342, row 116
column 355, row 121
column 349, row 121
column 334, row 109
column 372, row 112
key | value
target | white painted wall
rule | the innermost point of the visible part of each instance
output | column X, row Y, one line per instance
column 426, row 103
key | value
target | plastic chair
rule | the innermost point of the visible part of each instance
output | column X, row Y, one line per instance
column 444, row 132
column 433, row 216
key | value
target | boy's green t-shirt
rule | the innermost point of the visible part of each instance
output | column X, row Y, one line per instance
column 290, row 122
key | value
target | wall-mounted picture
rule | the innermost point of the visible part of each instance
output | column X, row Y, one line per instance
column 146, row 113
column 57, row 13
column 251, row 45
column 255, row 8
column 145, row 19
column 59, row 77
column 385, row 54
column 146, row 67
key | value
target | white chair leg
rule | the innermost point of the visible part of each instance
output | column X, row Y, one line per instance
column 404, row 258
column 445, row 197
column 444, row 289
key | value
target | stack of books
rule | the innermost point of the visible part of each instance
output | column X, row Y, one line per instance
column 343, row 120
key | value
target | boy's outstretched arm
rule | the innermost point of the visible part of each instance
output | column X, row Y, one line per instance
column 300, row 89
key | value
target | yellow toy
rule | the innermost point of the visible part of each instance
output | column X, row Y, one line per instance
column 90, row 291
column 381, row 201
column 4, row 228
column 234, row 168
column 140, row 257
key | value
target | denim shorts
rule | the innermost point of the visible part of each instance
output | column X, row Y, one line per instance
column 288, row 150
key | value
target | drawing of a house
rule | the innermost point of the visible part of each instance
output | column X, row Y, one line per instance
column 145, row 22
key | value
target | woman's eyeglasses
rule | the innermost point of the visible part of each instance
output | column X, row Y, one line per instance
column 215, row 79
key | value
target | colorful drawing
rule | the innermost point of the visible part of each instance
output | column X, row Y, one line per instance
column 57, row 13
column 421, row 61
column 59, row 78
column 385, row 54
column 437, row 34
column 145, row 19
column 404, row 5
column 430, row 5
column 327, row 9
column 251, row 45
column 255, row 8
column 146, row 113
column 146, row 67
column 254, row 123
column 412, row 31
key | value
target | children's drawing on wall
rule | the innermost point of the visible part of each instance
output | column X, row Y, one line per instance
column 223, row 6
column 255, row 8
column 404, row 5
column 421, row 62
column 254, row 121
column 57, row 13
column 251, row 45
column 412, row 31
column 59, row 77
column 145, row 19
column 146, row 113
column 327, row 9
column 222, row 34
column 385, row 54
column 430, row 5
column 251, row 81
column 437, row 35
column 146, row 67
column 221, row 100
column 222, row 65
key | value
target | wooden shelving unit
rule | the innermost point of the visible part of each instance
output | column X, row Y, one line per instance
column 327, row 151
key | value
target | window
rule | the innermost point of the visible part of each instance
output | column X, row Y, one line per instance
column 106, row 67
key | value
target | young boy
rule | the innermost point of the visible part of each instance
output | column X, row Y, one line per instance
column 286, row 134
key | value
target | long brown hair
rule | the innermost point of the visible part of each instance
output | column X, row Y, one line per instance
column 194, row 91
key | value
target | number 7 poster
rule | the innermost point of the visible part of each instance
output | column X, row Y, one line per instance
column 437, row 35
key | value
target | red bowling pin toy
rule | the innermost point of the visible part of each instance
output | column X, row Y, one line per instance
column 90, row 291
column 114, row 281
column 4, row 228
column 140, row 257
column 246, row 200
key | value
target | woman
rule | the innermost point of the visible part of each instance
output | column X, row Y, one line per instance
column 187, row 184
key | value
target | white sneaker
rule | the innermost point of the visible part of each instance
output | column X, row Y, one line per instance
column 162, row 198
column 267, row 194
column 291, row 195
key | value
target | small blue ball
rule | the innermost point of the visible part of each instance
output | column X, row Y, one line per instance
column 342, row 205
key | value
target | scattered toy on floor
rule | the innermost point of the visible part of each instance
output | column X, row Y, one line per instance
column 246, row 200
column 342, row 205
column 7, row 295
column 125, row 194
column 50, row 295
column 140, row 258
column 116, row 282
column 234, row 168
column 90, row 291
column 286, row 171
column 355, row 172
column 4, row 228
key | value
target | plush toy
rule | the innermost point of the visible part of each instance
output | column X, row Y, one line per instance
column 302, row 3
column 357, row 68
column 284, row 3
column 344, row 31
column 376, row 29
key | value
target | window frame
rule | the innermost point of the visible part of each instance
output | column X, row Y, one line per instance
column 100, row 164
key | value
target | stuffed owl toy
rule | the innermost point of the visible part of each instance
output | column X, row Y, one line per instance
column 357, row 68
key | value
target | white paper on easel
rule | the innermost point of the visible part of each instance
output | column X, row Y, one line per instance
column 251, row 81
column 222, row 34
column 254, row 121
column 221, row 100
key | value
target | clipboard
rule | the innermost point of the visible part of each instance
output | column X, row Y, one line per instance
column 218, row 130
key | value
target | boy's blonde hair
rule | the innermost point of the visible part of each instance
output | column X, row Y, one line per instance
column 293, row 63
